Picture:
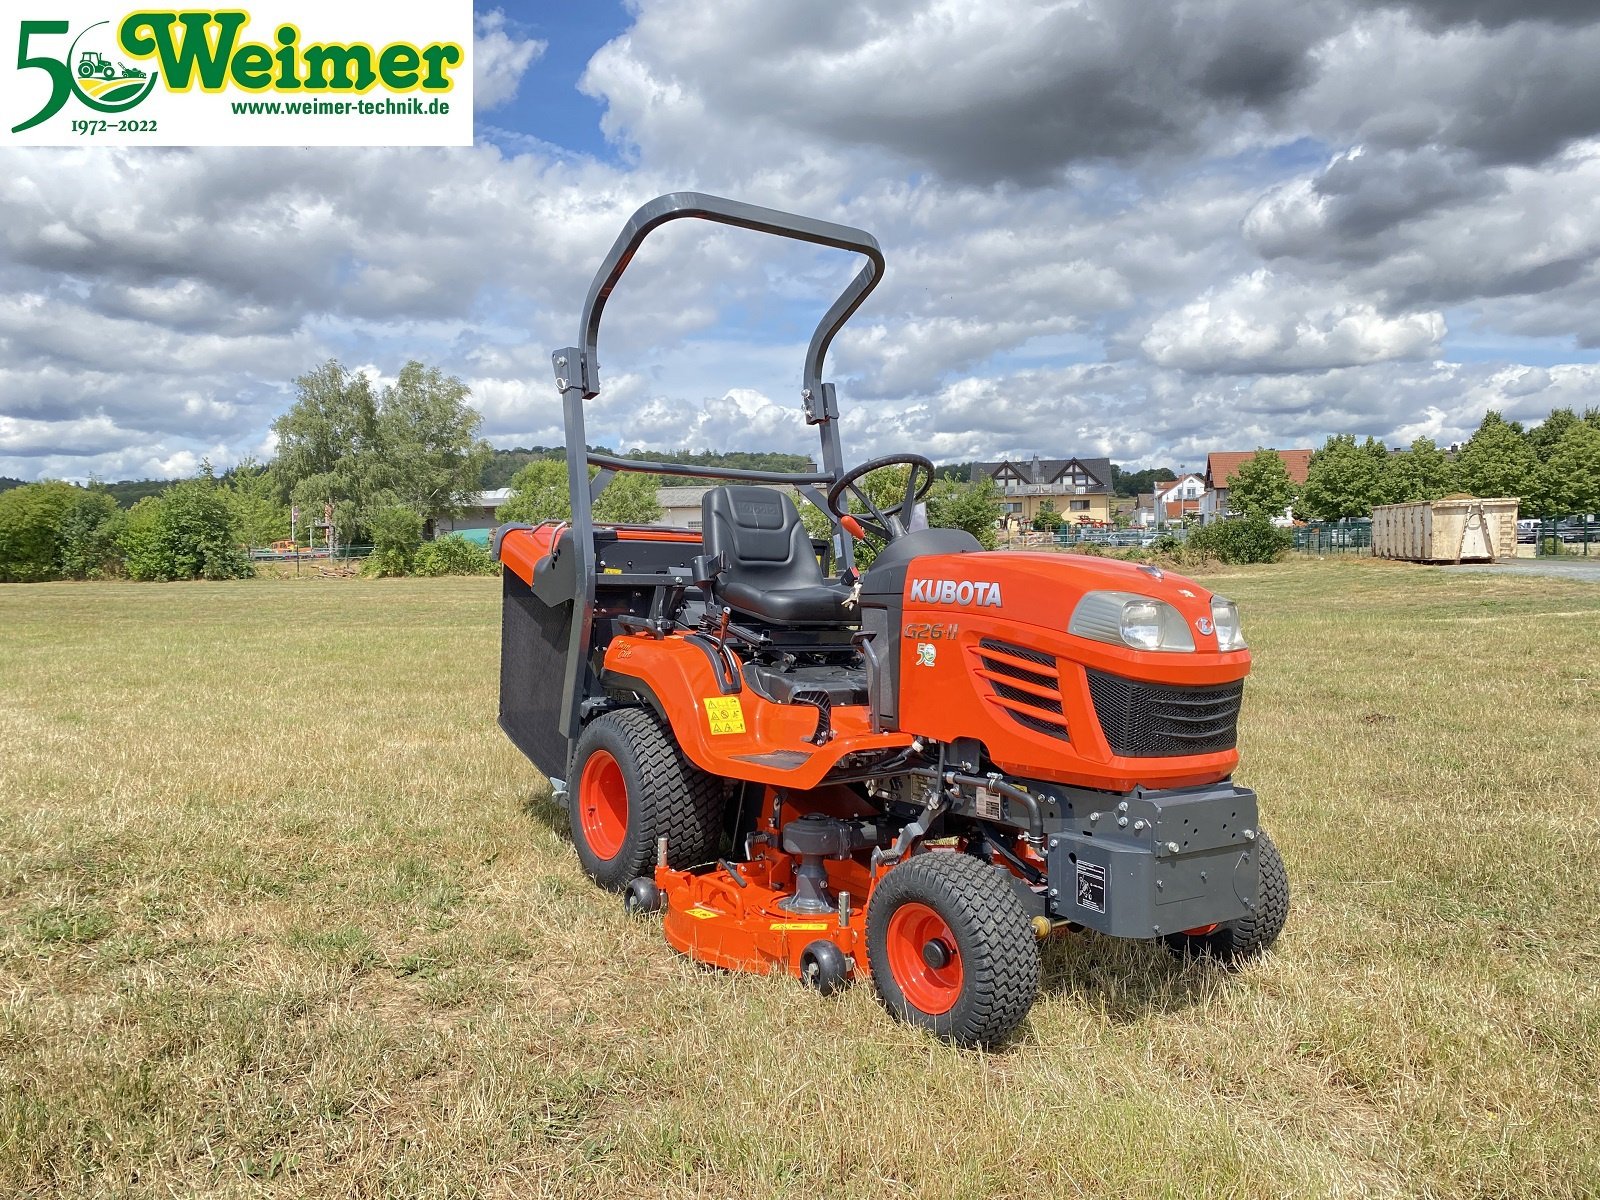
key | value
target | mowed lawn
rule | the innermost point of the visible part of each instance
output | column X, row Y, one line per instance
column 282, row 913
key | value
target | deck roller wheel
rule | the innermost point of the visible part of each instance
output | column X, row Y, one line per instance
column 951, row 948
column 633, row 786
column 824, row 967
column 641, row 897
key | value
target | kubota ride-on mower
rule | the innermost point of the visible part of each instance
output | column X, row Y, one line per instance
column 912, row 773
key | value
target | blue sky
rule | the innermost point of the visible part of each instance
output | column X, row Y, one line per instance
column 1246, row 224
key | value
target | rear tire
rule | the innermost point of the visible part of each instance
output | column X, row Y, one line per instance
column 631, row 786
column 951, row 949
column 1237, row 942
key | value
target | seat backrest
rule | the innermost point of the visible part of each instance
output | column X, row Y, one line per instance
column 760, row 537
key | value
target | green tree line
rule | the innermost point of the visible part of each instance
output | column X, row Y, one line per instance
column 1553, row 467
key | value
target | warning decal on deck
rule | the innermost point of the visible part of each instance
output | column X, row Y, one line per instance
column 700, row 914
column 724, row 715
column 1092, row 887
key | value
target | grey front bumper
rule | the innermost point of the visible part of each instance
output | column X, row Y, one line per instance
column 1155, row 862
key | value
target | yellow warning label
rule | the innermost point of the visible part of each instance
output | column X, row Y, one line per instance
column 700, row 914
column 724, row 714
column 611, row 571
column 798, row 925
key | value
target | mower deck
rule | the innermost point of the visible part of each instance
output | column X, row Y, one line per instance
column 710, row 916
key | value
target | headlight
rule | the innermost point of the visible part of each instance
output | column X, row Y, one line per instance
column 1225, row 616
column 1124, row 619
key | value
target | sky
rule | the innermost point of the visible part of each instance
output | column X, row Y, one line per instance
column 1138, row 231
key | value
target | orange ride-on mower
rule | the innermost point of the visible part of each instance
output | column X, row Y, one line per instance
column 911, row 773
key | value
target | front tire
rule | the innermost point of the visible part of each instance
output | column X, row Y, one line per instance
column 1237, row 942
column 633, row 785
column 951, row 948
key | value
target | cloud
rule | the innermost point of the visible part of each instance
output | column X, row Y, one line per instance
column 1011, row 90
column 1258, row 323
column 500, row 60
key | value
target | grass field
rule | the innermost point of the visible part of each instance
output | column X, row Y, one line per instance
column 282, row 913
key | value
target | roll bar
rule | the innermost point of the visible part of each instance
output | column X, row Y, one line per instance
column 578, row 366
column 577, row 371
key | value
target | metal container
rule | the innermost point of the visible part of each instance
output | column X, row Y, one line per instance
column 1446, row 531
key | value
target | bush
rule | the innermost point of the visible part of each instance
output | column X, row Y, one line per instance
column 30, row 530
column 1241, row 540
column 396, row 534
column 139, row 539
column 87, row 537
column 453, row 555
column 185, row 533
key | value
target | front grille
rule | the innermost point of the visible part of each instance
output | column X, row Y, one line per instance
column 1151, row 720
column 1028, row 708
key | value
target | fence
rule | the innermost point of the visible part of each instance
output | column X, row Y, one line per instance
column 1562, row 535
column 1334, row 537
column 309, row 554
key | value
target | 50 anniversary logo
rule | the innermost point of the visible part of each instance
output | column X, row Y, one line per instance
column 227, row 77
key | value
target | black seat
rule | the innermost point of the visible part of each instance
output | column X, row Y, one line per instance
column 770, row 570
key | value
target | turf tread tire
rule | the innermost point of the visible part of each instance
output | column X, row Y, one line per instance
column 668, row 796
column 999, row 953
column 1252, row 935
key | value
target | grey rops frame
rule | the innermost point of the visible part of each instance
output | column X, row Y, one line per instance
column 577, row 372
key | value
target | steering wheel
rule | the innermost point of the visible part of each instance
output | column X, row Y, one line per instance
column 884, row 524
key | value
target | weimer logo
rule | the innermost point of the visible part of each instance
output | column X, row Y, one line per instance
column 231, row 77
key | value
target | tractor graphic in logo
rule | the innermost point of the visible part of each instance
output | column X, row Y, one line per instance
column 92, row 75
column 94, row 63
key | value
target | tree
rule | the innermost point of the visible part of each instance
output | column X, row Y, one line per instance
column 259, row 516
column 539, row 493
column 1424, row 472
column 30, row 525
column 1496, row 461
column 1132, row 483
column 1343, row 480
column 1569, row 480
column 1047, row 518
column 415, row 444
column 1544, row 437
column 328, row 447
column 974, row 507
column 433, row 460
column 1261, row 487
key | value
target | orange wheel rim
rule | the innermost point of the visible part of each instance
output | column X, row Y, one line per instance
column 924, row 959
column 603, row 805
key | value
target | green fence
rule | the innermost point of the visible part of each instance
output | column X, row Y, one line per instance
column 1575, row 535
column 1334, row 537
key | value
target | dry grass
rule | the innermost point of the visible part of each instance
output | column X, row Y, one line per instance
column 281, row 913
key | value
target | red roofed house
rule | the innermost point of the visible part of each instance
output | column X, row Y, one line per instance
column 1223, row 465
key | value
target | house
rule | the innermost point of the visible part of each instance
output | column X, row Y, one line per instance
column 476, row 518
column 1170, row 502
column 681, row 505
column 1223, row 465
column 1077, row 488
column 1178, row 499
